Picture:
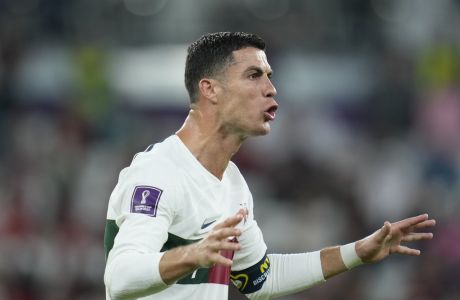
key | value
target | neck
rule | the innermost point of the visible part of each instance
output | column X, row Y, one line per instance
column 209, row 142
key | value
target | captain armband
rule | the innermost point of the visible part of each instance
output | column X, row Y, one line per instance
column 252, row 279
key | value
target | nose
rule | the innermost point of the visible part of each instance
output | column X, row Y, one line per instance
column 270, row 90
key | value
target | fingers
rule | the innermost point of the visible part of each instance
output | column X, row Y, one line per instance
column 231, row 221
column 217, row 259
column 406, row 251
column 209, row 249
column 224, row 245
column 425, row 224
column 243, row 211
column 224, row 233
column 383, row 233
column 411, row 237
column 413, row 221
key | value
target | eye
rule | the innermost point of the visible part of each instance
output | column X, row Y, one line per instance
column 255, row 75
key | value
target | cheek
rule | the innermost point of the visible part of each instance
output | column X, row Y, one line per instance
column 247, row 98
column 247, row 108
column 242, row 103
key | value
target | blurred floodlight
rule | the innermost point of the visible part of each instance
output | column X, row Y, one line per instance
column 416, row 24
column 145, row 7
column 44, row 74
column 150, row 76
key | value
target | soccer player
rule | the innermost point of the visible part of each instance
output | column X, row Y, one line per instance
column 180, row 221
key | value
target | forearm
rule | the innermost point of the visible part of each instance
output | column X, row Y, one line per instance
column 290, row 273
column 338, row 259
column 177, row 263
column 152, row 273
column 331, row 262
column 295, row 272
column 132, row 275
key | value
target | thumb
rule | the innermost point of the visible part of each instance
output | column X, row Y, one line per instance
column 383, row 233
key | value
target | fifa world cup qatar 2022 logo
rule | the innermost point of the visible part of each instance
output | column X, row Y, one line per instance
column 145, row 200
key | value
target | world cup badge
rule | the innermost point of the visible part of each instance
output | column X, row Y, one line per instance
column 145, row 200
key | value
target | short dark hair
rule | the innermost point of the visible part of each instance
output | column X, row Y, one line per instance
column 211, row 53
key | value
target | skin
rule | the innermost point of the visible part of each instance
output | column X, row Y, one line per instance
column 382, row 243
column 230, row 108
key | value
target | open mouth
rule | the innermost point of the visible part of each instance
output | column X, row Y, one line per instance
column 270, row 113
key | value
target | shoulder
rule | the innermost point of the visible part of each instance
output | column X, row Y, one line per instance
column 234, row 175
column 233, row 171
column 151, row 176
column 155, row 164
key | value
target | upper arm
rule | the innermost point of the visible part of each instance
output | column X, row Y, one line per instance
column 144, row 204
column 141, row 210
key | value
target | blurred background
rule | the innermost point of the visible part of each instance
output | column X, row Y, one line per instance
column 368, row 130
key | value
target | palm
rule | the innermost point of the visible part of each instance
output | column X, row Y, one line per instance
column 387, row 240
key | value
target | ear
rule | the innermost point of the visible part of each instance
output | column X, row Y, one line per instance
column 208, row 89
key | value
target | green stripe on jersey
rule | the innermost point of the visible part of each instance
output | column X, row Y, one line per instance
column 111, row 231
column 199, row 276
column 175, row 241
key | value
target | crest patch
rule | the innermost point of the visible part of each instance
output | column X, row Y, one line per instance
column 145, row 200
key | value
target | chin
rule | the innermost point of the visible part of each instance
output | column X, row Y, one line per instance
column 264, row 130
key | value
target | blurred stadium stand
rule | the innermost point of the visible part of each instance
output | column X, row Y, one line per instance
column 368, row 130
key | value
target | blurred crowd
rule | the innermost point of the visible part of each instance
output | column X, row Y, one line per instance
column 368, row 130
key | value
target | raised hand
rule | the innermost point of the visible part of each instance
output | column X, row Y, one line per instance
column 207, row 251
column 388, row 239
column 180, row 261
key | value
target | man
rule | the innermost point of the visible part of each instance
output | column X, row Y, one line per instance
column 181, row 217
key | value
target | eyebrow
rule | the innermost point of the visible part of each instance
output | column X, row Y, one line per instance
column 258, row 70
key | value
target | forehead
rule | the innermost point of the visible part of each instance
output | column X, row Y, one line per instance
column 249, row 57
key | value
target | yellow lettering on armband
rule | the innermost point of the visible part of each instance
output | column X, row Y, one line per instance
column 264, row 266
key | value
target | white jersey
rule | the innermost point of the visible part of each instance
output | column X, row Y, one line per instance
column 165, row 199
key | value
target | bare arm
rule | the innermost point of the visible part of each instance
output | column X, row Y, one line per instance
column 178, row 262
column 295, row 272
column 383, row 242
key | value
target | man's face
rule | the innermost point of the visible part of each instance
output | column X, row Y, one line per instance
column 246, row 97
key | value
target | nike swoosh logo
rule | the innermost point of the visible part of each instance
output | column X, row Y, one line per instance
column 207, row 224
